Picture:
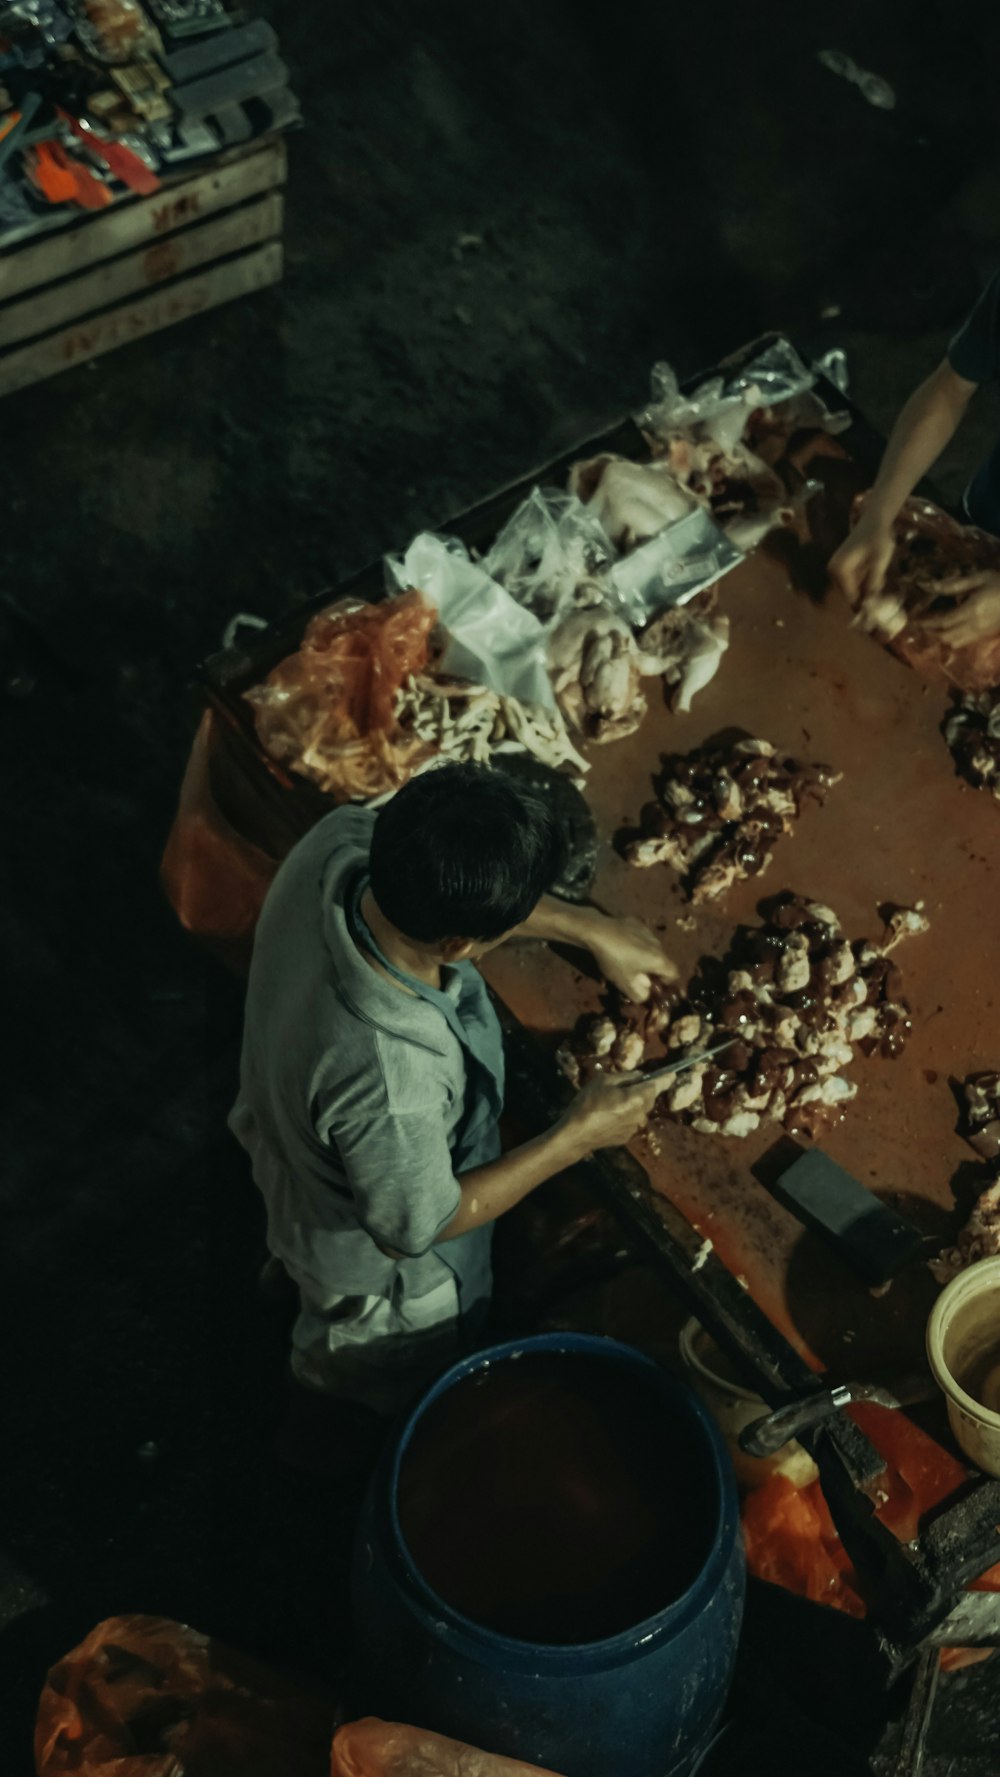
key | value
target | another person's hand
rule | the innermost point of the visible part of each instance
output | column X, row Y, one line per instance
column 862, row 562
column 609, row 1111
column 630, row 956
column 977, row 616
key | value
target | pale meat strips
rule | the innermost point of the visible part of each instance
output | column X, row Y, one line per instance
column 465, row 722
column 797, row 998
column 931, row 551
column 721, row 811
column 980, row 1237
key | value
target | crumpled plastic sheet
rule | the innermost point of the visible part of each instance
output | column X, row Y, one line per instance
column 491, row 639
column 373, row 1748
column 672, row 567
column 549, row 547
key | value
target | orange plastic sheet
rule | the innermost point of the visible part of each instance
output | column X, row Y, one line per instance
column 147, row 1697
column 215, row 879
column 328, row 709
column 373, row 1748
column 791, row 1539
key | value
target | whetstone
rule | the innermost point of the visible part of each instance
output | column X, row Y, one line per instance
column 871, row 1238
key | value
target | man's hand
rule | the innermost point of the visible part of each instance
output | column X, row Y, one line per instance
column 609, row 1111
column 862, row 562
column 625, row 950
column 630, row 956
column 976, row 617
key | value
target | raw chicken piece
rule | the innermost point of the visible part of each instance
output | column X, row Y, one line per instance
column 904, row 922
column 982, row 1103
column 685, row 645
column 632, row 500
column 721, row 811
column 972, row 731
column 979, row 1239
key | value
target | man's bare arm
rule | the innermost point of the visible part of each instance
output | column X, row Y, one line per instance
column 627, row 953
column 925, row 426
column 607, row 1113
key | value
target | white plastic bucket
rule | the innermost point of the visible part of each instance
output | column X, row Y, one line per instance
column 963, row 1347
column 732, row 1407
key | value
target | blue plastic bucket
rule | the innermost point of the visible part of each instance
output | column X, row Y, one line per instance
column 549, row 1563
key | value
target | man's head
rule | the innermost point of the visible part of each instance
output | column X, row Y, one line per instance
column 460, row 856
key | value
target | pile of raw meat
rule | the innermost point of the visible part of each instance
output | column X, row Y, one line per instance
column 932, row 550
column 796, row 997
column 972, row 730
column 720, row 812
column 980, row 1238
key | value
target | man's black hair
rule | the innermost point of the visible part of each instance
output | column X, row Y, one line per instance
column 461, row 852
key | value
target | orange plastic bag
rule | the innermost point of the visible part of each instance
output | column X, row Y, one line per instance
column 373, row 1748
column 215, row 879
column 328, row 709
column 791, row 1540
column 146, row 1697
column 931, row 549
column 919, row 1473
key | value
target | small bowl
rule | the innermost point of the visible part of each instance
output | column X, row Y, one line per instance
column 963, row 1347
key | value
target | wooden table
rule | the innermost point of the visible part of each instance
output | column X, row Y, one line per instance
column 899, row 827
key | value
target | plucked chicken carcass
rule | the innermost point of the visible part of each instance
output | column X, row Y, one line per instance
column 632, row 500
column 596, row 672
column 685, row 644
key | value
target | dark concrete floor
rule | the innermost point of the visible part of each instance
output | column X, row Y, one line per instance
column 655, row 186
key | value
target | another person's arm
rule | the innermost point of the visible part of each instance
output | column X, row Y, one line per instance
column 925, row 426
column 627, row 953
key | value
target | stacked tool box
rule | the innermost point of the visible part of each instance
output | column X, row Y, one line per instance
column 141, row 161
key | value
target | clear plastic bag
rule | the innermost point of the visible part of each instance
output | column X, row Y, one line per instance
column 490, row 638
column 146, row 1697
column 551, row 546
column 711, row 406
column 328, row 709
column 671, row 568
column 748, row 415
column 373, row 1748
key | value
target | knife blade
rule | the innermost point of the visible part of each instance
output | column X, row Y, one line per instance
column 681, row 1064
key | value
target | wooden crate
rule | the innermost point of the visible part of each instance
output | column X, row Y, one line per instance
column 141, row 265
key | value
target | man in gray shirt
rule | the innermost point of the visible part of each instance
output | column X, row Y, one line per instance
column 372, row 1070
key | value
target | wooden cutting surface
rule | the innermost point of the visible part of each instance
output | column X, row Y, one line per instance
column 899, row 827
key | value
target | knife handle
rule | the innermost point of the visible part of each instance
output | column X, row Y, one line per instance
column 766, row 1436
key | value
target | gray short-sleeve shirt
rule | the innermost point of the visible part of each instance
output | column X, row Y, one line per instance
column 351, row 1091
